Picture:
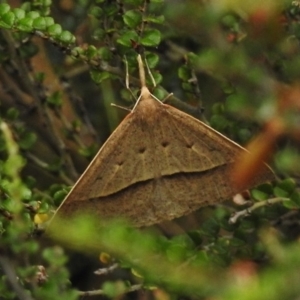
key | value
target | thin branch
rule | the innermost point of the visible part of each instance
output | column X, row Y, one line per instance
column 133, row 288
column 257, row 205
column 13, row 279
column 105, row 271
column 36, row 160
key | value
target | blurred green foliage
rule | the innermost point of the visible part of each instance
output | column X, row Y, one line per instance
column 233, row 63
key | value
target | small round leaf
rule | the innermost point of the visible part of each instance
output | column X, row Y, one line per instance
column 151, row 38
column 132, row 18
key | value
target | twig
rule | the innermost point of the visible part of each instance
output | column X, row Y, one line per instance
column 13, row 279
column 133, row 288
column 105, row 271
column 257, row 205
column 36, row 160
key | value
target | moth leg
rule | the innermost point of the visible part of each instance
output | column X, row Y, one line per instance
column 167, row 97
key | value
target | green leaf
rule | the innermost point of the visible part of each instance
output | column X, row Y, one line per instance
column 7, row 20
column 44, row 208
column 54, row 256
column 279, row 192
column 55, row 166
column 262, row 192
column 90, row 151
column 136, row 273
column 266, row 187
column 105, row 53
column 29, row 50
column 39, row 23
column 4, row 8
column 285, row 188
column 210, row 227
column 49, row 21
column 25, row 24
column 219, row 122
column 184, row 73
column 290, row 204
column 39, row 77
column 26, row 6
column 229, row 21
column 287, row 185
column 33, row 14
column 127, row 38
column 236, row 242
column 244, row 135
column 12, row 114
column 195, row 236
column 295, row 197
column 30, row 181
column 152, row 59
column 99, row 34
column 111, row 9
column 227, row 87
column 151, row 37
column 67, row 37
column 132, row 18
column 77, row 51
column 176, row 252
column 55, row 30
column 97, row 12
column 99, row 76
column 55, row 99
column 91, row 51
column 156, row 20
column 236, row 102
column 55, row 187
column 46, row 2
column 287, row 159
column 259, row 195
column 25, row 192
column 59, row 196
column 19, row 13
column 160, row 93
column 157, row 77
column 217, row 108
column 113, row 289
column 27, row 140
column 187, row 87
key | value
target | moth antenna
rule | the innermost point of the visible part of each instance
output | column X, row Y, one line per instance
column 141, row 71
column 150, row 74
column 127, row 73
column 127, row 77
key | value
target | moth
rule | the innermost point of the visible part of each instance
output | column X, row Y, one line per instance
column 159, row 164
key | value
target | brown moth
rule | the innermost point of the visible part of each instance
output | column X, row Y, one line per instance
column 160, row 163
